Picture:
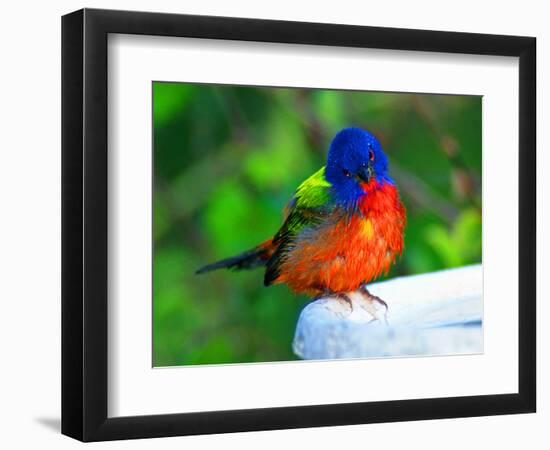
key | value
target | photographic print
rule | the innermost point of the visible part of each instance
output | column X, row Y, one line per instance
column 297, row 223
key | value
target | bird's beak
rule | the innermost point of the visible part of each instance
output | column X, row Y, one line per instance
column 365, row 173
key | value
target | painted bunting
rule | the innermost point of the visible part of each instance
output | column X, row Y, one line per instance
column 343, row 228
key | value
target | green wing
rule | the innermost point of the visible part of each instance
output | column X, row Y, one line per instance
column 311, row 204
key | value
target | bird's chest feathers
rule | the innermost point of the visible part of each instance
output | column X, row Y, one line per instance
column 366, row 228
column 379, row 216
column 373, row 235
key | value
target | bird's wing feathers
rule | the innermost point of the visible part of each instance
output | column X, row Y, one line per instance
column 311, row 204
column 313, row 192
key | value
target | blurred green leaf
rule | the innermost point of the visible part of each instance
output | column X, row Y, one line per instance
column 271, row 166
column 169, row 98
column 330, row 106
column 462, row 244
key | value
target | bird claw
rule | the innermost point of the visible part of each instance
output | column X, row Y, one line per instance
column 369, row 302
column 346, row 299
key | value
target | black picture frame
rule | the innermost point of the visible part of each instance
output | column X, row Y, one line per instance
column 84, row 224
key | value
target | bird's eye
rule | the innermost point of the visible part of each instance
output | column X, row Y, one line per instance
column 371, row 154
column 346, row 172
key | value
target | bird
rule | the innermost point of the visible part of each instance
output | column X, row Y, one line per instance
column 342, row 229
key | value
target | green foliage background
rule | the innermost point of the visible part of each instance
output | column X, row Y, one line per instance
column 226, row 161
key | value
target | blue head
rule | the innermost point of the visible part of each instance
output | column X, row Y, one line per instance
column 355, row 160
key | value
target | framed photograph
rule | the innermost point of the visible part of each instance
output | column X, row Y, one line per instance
column 273, row 224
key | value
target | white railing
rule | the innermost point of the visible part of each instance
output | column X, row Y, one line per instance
column 438, row 313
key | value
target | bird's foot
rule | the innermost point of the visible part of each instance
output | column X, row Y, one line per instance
column 374, row 305
column 343, row 306
column 344, row 298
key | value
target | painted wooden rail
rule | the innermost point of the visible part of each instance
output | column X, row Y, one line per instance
column 438, row 313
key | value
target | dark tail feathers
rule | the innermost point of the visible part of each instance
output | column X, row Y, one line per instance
column 248, row 260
